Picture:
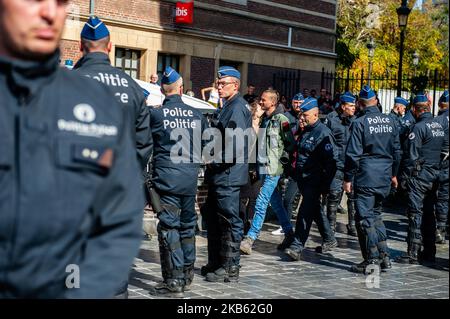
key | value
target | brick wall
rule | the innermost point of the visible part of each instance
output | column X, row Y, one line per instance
column 262, row 77
column 312, row 40
column 70, row 50
column 202, row 74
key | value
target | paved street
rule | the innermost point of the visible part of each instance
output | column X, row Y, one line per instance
column 268, row 274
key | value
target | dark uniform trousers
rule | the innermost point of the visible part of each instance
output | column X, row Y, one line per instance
column 309, row 211
column 442, row 198
column 369, row 224
column 422, row 223
column 334, row 198
column 176, row 235
column 225, row 227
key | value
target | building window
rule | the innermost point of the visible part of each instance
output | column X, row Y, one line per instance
column 128, row 61
column 165, row 60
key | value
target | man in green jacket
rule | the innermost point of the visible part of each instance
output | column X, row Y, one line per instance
column 278, row 143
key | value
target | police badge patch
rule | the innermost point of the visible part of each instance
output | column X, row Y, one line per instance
column 411, row 136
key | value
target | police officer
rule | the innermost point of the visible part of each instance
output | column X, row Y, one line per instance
column 175, row 180
column 316, row 166
column 371, row 163
column 340, row 127
column 423, row 150
column 71, row 204
column 224, row 178
column 95, row 64
column 442, row 195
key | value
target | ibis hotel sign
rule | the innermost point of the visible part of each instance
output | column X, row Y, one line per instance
column 184, row 12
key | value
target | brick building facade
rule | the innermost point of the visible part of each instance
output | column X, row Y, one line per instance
column 261, row 38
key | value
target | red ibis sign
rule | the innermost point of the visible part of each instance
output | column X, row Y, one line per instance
column 184, row 12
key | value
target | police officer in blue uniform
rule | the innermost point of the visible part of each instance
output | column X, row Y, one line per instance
column 95, row 64
column 225, row 176
column 371, row 163
column 398, row 112
column 71, row 202
column 176, row 165
column 340, row 127
column 442, row 195
column 316, row 166
column 424, row 146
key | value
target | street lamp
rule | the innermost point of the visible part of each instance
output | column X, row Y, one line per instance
column 371, row 47
column 415, row 61
column 403, row 13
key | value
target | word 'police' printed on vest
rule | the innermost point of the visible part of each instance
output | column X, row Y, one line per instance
column 113, row 80
column 380, row 125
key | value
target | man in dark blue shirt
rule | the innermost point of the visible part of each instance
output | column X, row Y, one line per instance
column 371, row 163
column 426, row 142
column 70, row 193
column 225, row 176
column 176, row 163
column 340, row 127
column 316, row 166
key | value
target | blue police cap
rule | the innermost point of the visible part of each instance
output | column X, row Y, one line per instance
column 170, row 76
column 225, row 71
column 308, row 104
column 347, row 97
column 94, row 29
column 420, row 98
column 444, row 97
column 366, row 93
column 400, row 100
column 298, row 97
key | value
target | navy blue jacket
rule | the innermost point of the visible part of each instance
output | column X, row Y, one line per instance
column 176, row 162
column 425, row 143
column 235, row 114
column 293, row 121
column 97, row 66
column 443, row 119
column 340, row 128
column 373, row 152
column 316, row 157
column 69, row 184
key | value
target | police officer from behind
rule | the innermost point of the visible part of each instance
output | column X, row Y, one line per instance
column 95, row 64
column 71, row 204
column 316, row 166
column 175, row 180
column 442, row 194
column 225, row 227
column 422, row 158
column 371, row 163
column 340, row 127
column 398, row 113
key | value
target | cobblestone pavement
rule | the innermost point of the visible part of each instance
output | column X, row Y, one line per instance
column 266, row 273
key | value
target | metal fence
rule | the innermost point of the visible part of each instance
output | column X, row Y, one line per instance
column 432, row 82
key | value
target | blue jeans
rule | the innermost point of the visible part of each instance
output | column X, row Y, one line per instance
column 269, row 194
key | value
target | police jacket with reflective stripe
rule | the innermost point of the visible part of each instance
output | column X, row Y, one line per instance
column 97, row 66
column 372, row 155
column 70, row 193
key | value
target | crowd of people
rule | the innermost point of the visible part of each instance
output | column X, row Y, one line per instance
column 76, row 147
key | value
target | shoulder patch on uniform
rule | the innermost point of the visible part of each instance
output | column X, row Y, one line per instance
column 328, row 147
column 412, row 136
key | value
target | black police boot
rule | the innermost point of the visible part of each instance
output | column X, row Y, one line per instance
column 351, row 226
column 366, row 267
column 440, row 236
column 294, row 251
column 171, row 288
column 188, row 276
column 326, row 246
column 385, row 262
column 412, row 255
column 208, row 268
column 224, row 274
column 341, row 210
column 287, row 241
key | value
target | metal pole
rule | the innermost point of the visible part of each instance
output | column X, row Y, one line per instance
column 434, row 88
column 91, row 7
column 400, row 67
column 370, row 72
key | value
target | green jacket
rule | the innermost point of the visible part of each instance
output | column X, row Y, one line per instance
column 279, row 143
